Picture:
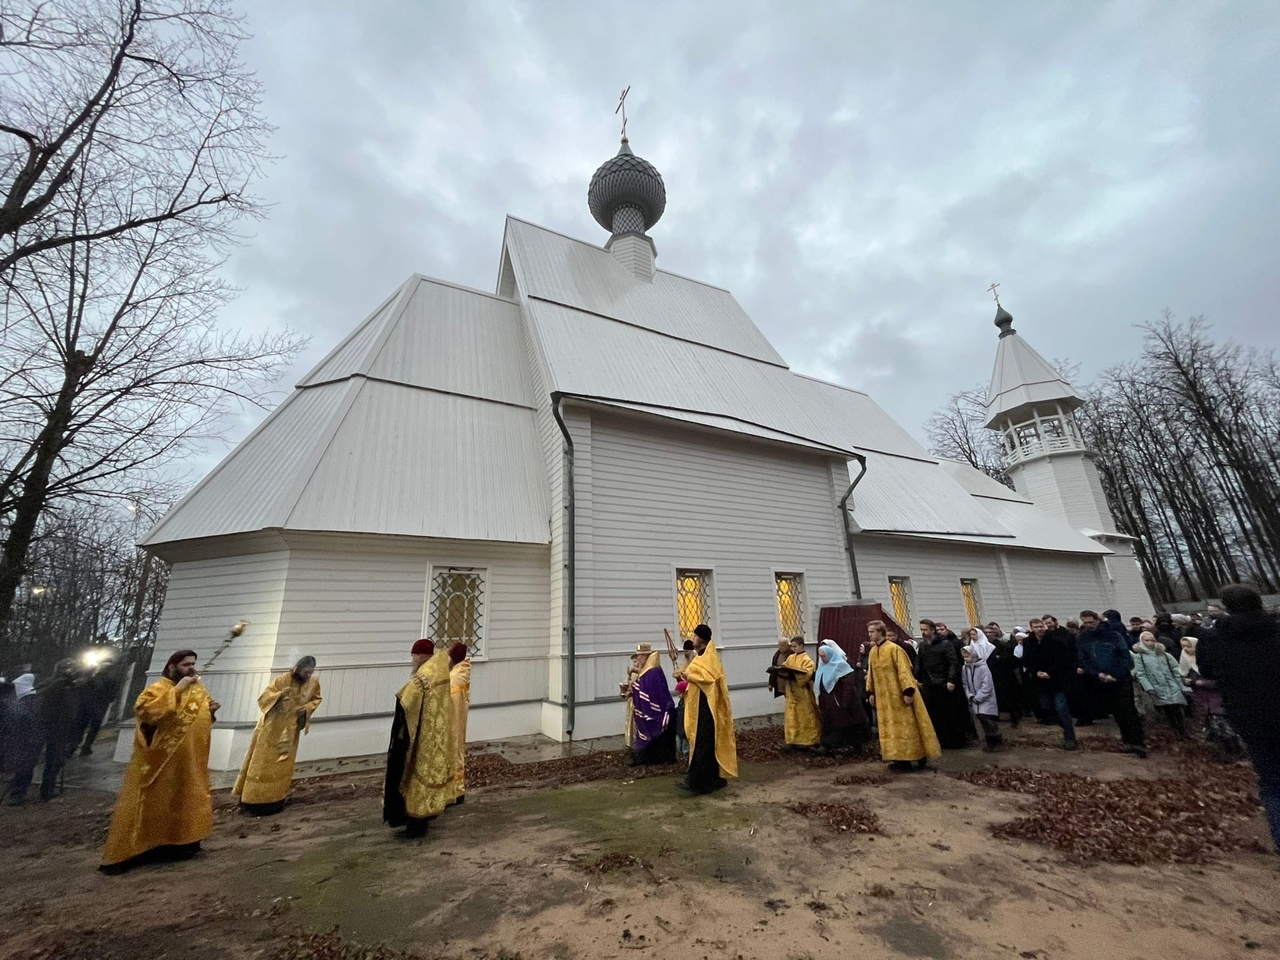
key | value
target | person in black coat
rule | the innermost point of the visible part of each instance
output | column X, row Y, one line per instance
column 938, row 671
column 1050, row 664
column 1241, row 654
column 1005, row 666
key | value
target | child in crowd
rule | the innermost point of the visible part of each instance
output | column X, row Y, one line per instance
column 980, row 690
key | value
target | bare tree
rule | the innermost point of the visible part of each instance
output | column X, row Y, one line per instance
column 148, row 95
column 85, row 580
column 112, row 364
column 958, row 432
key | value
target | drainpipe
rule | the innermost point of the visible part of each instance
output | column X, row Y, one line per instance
column 571, row 550
column 848, row 528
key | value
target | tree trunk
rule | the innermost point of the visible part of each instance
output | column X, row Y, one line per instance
column 35, row 487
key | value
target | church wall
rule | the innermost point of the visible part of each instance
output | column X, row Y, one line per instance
column 206, row 596
column 657, row 497
column 1129, row 590
column 356, row 603
column 1013, row 585
column 553, row 456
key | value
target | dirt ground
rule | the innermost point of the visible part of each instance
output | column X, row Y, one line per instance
column 615, row 866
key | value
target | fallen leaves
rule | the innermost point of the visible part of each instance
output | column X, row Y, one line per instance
column 841, row 817
column 1188, row 819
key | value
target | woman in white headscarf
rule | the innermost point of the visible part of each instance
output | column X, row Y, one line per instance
column 840, row 689
column 976, row 640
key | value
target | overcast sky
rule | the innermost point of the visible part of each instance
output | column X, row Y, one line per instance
column 856, row 173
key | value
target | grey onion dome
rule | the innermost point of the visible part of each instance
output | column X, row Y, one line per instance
column 627, row 193
column 1004, row 320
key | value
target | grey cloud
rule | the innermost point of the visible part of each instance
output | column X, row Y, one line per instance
column 856, row 174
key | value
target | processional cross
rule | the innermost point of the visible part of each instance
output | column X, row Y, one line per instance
column 622, row 108
column 994, row 293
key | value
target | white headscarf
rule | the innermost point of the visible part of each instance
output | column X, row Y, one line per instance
column 1187, row 661
column 982, row 647
column 25, row 685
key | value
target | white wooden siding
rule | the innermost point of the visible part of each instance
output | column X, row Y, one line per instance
column 666, row 498
column 207, row 596
column 362, row 601
column 1067, row 486
column 356, row 604
column 1014, row 585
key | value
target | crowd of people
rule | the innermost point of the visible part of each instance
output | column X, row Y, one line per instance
column 917, row 697
column 1071, row 675
column 53, row 719
column 1211, row 675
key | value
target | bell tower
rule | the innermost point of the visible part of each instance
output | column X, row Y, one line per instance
column 1033, row 408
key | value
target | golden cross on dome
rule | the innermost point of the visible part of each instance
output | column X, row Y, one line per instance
column 992, row 288
column 622, row 108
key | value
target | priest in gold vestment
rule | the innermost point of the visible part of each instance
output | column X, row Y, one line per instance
column 420, row 780
column 164, row 808
column 460, row 697
column 287, row 705
column 795, row 676
column 906, row 733
column 708, row 719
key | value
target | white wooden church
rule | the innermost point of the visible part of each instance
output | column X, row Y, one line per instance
column 555, row 471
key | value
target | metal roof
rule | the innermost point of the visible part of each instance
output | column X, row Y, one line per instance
column 679, row 344
column 1032, row 527
column 900, row 495
column 978, row 484
column 420, row 423
column 1022, row 379
column 552, row 267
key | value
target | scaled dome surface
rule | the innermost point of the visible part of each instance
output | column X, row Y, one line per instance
column 626, row 181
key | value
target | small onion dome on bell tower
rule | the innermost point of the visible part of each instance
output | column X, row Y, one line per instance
column 1004, row 321
column 626, row 194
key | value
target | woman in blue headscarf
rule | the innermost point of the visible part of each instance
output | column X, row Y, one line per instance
column 840, row 690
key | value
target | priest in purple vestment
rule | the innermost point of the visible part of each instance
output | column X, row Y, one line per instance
column 654, row 711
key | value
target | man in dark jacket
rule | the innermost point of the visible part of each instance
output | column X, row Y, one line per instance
column 54, row 713
column 938, row 670
column 1242, row 654
column 1006, row 665
column 1050, row 662
column 1104, row 656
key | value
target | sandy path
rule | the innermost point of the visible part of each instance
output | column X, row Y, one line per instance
column 737, row 875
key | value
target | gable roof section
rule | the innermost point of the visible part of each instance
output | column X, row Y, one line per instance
column 901, row 495
column 683, row 350
column 557, row 269
column 1022, row 378
column 420, row 423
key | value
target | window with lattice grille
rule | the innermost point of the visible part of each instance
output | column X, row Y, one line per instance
column 456, row 609
column 790, row 591
column 900, row 594
column 693, row 600
column 972, row 602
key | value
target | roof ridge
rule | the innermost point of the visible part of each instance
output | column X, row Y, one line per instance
column 829, row 383
column 424, row 278
column 588, row 243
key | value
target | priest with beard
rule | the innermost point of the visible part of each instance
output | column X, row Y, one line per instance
column 164, row 808
column 713, row 749
column 420, row 780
